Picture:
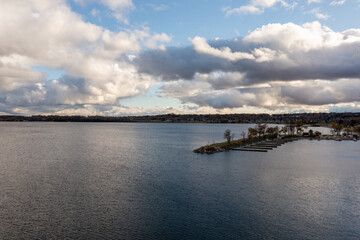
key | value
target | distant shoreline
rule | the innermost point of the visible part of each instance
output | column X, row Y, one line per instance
column 155, row 122
column 313, row 119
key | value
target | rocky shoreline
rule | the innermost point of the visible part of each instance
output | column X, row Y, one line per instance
column 209, row 149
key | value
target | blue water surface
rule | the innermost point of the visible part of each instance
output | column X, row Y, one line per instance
column 142, row 181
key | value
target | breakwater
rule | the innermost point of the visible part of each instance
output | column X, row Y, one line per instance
column 225, row 146
column 262, row 144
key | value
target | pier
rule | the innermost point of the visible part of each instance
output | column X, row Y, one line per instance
column 265, row 145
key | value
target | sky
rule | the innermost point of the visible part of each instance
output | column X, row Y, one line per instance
column 141, row 57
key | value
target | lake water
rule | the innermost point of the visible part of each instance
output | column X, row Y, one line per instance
column 142, row 181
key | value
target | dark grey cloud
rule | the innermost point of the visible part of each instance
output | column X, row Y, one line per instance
column 177, row 63
column 320, row 93
column 278, row 52
column 184, row 62
column 55, row 92
column 311, row 93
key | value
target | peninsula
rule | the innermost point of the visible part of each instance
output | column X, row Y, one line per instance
column 262, row 138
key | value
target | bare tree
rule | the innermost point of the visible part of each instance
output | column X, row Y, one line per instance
column 292, row 128
column 243, row 134
column 228, row 136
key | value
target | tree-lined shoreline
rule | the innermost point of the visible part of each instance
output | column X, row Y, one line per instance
column 346, row 118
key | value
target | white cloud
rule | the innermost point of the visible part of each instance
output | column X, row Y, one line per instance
column 118, row 4
column 160, row 7
column 244, row 10
column 335, row 3
column 153, row 41
column 256, row 7
column 47, row 33
column 264, row 54
column 201, row 46
column 318, row 14
column 291, row 37
column 313, row 1
column 258, row 54
column 15, row 72
column 119, row 8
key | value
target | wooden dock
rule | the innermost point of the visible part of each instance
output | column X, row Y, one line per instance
column 258, row 147
column 251, row 145
column 265, row 145
column 249, row 150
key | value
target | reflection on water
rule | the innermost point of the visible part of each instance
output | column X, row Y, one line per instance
column 142, row 181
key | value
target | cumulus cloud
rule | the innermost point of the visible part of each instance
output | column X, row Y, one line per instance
column 255, row 7
column 284, row 65
column 153, row 41
column 15, row 72
column 49, row 34
column 277, row 66
column 286, row 52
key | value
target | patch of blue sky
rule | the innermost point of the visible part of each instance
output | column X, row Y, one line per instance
column 98, row 14
column 206, row 18
column 184, row 19
column 343, row 17
column 50, row 72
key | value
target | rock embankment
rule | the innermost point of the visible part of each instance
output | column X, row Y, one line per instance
column 209, row 149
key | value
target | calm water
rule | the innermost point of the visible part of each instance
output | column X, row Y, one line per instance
column 142, row 181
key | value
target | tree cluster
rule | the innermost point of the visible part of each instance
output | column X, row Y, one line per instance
column 261, row 130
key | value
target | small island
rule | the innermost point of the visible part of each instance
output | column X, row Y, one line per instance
column 262, row 138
